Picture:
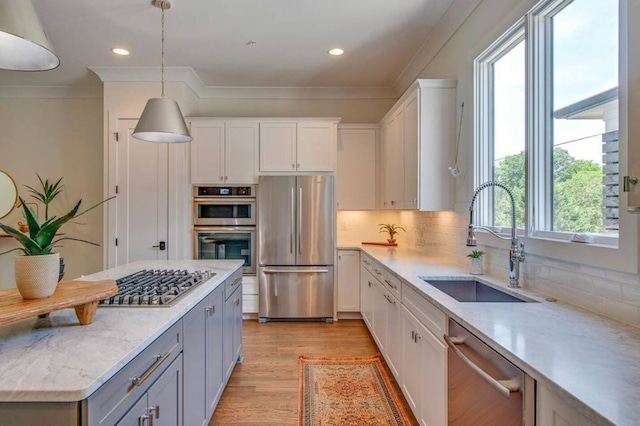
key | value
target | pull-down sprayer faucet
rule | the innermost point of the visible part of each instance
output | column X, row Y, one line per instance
column 516, row 252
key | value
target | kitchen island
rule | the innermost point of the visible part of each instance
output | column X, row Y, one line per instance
column 589, row 362
column 57, row 366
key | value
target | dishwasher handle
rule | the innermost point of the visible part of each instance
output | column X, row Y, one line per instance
column 505, row 387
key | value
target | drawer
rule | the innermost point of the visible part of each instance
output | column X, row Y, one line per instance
column 392, row 283
column 367, row 263
column 231, row 283
column 119, row 393
column 426, row 312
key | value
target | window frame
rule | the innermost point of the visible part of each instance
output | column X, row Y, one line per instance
column 535, row 29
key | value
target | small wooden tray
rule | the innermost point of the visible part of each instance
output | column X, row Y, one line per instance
column 376, row 243
column 81, row 295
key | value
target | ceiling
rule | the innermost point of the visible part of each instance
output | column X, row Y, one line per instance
column 292, row 37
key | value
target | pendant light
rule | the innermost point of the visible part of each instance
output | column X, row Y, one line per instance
column 23, row 44
column 162, row 120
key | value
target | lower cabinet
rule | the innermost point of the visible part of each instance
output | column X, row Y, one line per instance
column 348, row 281
column 232, row 328
column 552, row 410
column 424, row 382
column 203, row 372
column 366, row 296
column 161, row 405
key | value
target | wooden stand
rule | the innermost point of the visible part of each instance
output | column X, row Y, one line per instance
column 81, row 295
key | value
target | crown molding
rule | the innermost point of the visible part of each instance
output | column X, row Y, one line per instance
column 51, row 92
column 188, row 76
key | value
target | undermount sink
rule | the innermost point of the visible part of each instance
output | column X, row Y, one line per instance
column 470, row 290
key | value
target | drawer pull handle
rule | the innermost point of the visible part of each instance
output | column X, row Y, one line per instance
column 236, row 281
column 395, row 287
column 138, row 381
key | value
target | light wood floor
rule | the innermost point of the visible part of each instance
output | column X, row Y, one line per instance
column 264, row 389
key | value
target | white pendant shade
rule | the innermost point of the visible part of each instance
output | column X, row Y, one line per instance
column 23, row 44
column 162, row 121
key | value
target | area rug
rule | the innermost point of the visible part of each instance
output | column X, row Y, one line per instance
column 347, row 392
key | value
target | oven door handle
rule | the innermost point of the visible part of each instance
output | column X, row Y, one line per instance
column 295, row 271
column 224, row 200
column 505, row 387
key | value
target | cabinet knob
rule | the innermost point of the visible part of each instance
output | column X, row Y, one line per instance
column 237, row 302
column 142, row 420
column 293, row 166
column 221, row 177
column 154, row 412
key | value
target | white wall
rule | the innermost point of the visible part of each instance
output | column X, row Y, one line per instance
column 55, row 138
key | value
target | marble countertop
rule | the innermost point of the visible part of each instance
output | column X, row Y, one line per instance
column 592, row 362
column 57, row 359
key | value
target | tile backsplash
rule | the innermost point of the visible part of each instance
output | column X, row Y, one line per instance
column 606, row 292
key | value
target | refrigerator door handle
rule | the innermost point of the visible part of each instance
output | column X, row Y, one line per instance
column 295, row 271
column 300, row 221
column 293, row 219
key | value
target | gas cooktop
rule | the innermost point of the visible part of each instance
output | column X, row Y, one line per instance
column 155, row 288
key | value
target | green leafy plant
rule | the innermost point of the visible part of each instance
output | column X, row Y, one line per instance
column 475, row 254
column 391, row 229
column 41, row 237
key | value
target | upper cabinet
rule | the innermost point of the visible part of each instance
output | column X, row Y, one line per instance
column 356, row 171
column 223, row 151
column 301, row 146
column 418, row 139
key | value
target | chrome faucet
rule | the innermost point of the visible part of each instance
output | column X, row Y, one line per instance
column 516, row 252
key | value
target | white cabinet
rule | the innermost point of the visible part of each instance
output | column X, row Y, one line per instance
column 424, row 380
column 367, row 289
column 348, row 281
column 223, row 151
column 250, row 292
column 304, row 146
column 418, row 141
column 356, row 183
column 552, row 410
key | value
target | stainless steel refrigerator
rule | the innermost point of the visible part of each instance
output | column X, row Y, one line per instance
column 295, row 247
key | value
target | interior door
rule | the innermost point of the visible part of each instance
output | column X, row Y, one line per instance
column 142, row 197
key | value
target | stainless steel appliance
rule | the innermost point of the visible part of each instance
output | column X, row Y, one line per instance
column 484, row 388
column 296, row 247
column 224, row 206
column 227, row 242
column 224, row 219
column 153, row 288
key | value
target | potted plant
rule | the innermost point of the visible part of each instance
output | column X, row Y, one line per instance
column 38, row 267
column 476, row 262
column 391, row 229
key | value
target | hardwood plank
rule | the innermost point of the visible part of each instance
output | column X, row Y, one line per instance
column 264, row 389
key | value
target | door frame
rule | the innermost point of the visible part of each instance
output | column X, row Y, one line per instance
column 179, row 200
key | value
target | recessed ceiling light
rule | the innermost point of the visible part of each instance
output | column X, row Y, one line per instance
column 336, row 51
column 120, row 51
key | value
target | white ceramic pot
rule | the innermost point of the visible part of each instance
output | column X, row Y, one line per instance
column 37, row 276
column 476, row 266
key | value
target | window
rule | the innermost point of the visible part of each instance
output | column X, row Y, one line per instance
column 565, row 176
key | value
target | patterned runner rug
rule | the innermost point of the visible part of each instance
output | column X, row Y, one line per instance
column 347, row 392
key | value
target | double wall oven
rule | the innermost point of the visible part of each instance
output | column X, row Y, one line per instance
column 224, row 224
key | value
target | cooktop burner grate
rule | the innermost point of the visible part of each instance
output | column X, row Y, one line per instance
column 151, row 288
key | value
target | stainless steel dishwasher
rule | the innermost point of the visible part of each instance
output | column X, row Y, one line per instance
column 484, row 388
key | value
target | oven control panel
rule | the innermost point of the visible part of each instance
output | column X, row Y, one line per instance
column 225, row 191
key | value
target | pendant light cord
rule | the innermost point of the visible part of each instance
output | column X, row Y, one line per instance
column 162, row 50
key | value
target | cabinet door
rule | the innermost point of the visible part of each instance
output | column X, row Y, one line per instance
column 137, row 415
column 425, row 376
column 393, row 163
column 551, row 410
column 241, row 152
column 207, row 152
column 348, row 281
column 193, row 354
column 393, row 353
column 165, row 396
column 232, row 332
column 411, row 132
column 380, row 316
column 356, row 169
column 366, row 296
column 278, row 147
column 214, row 370
column 316, row 147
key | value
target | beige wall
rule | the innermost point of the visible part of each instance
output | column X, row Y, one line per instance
column 55, row 138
